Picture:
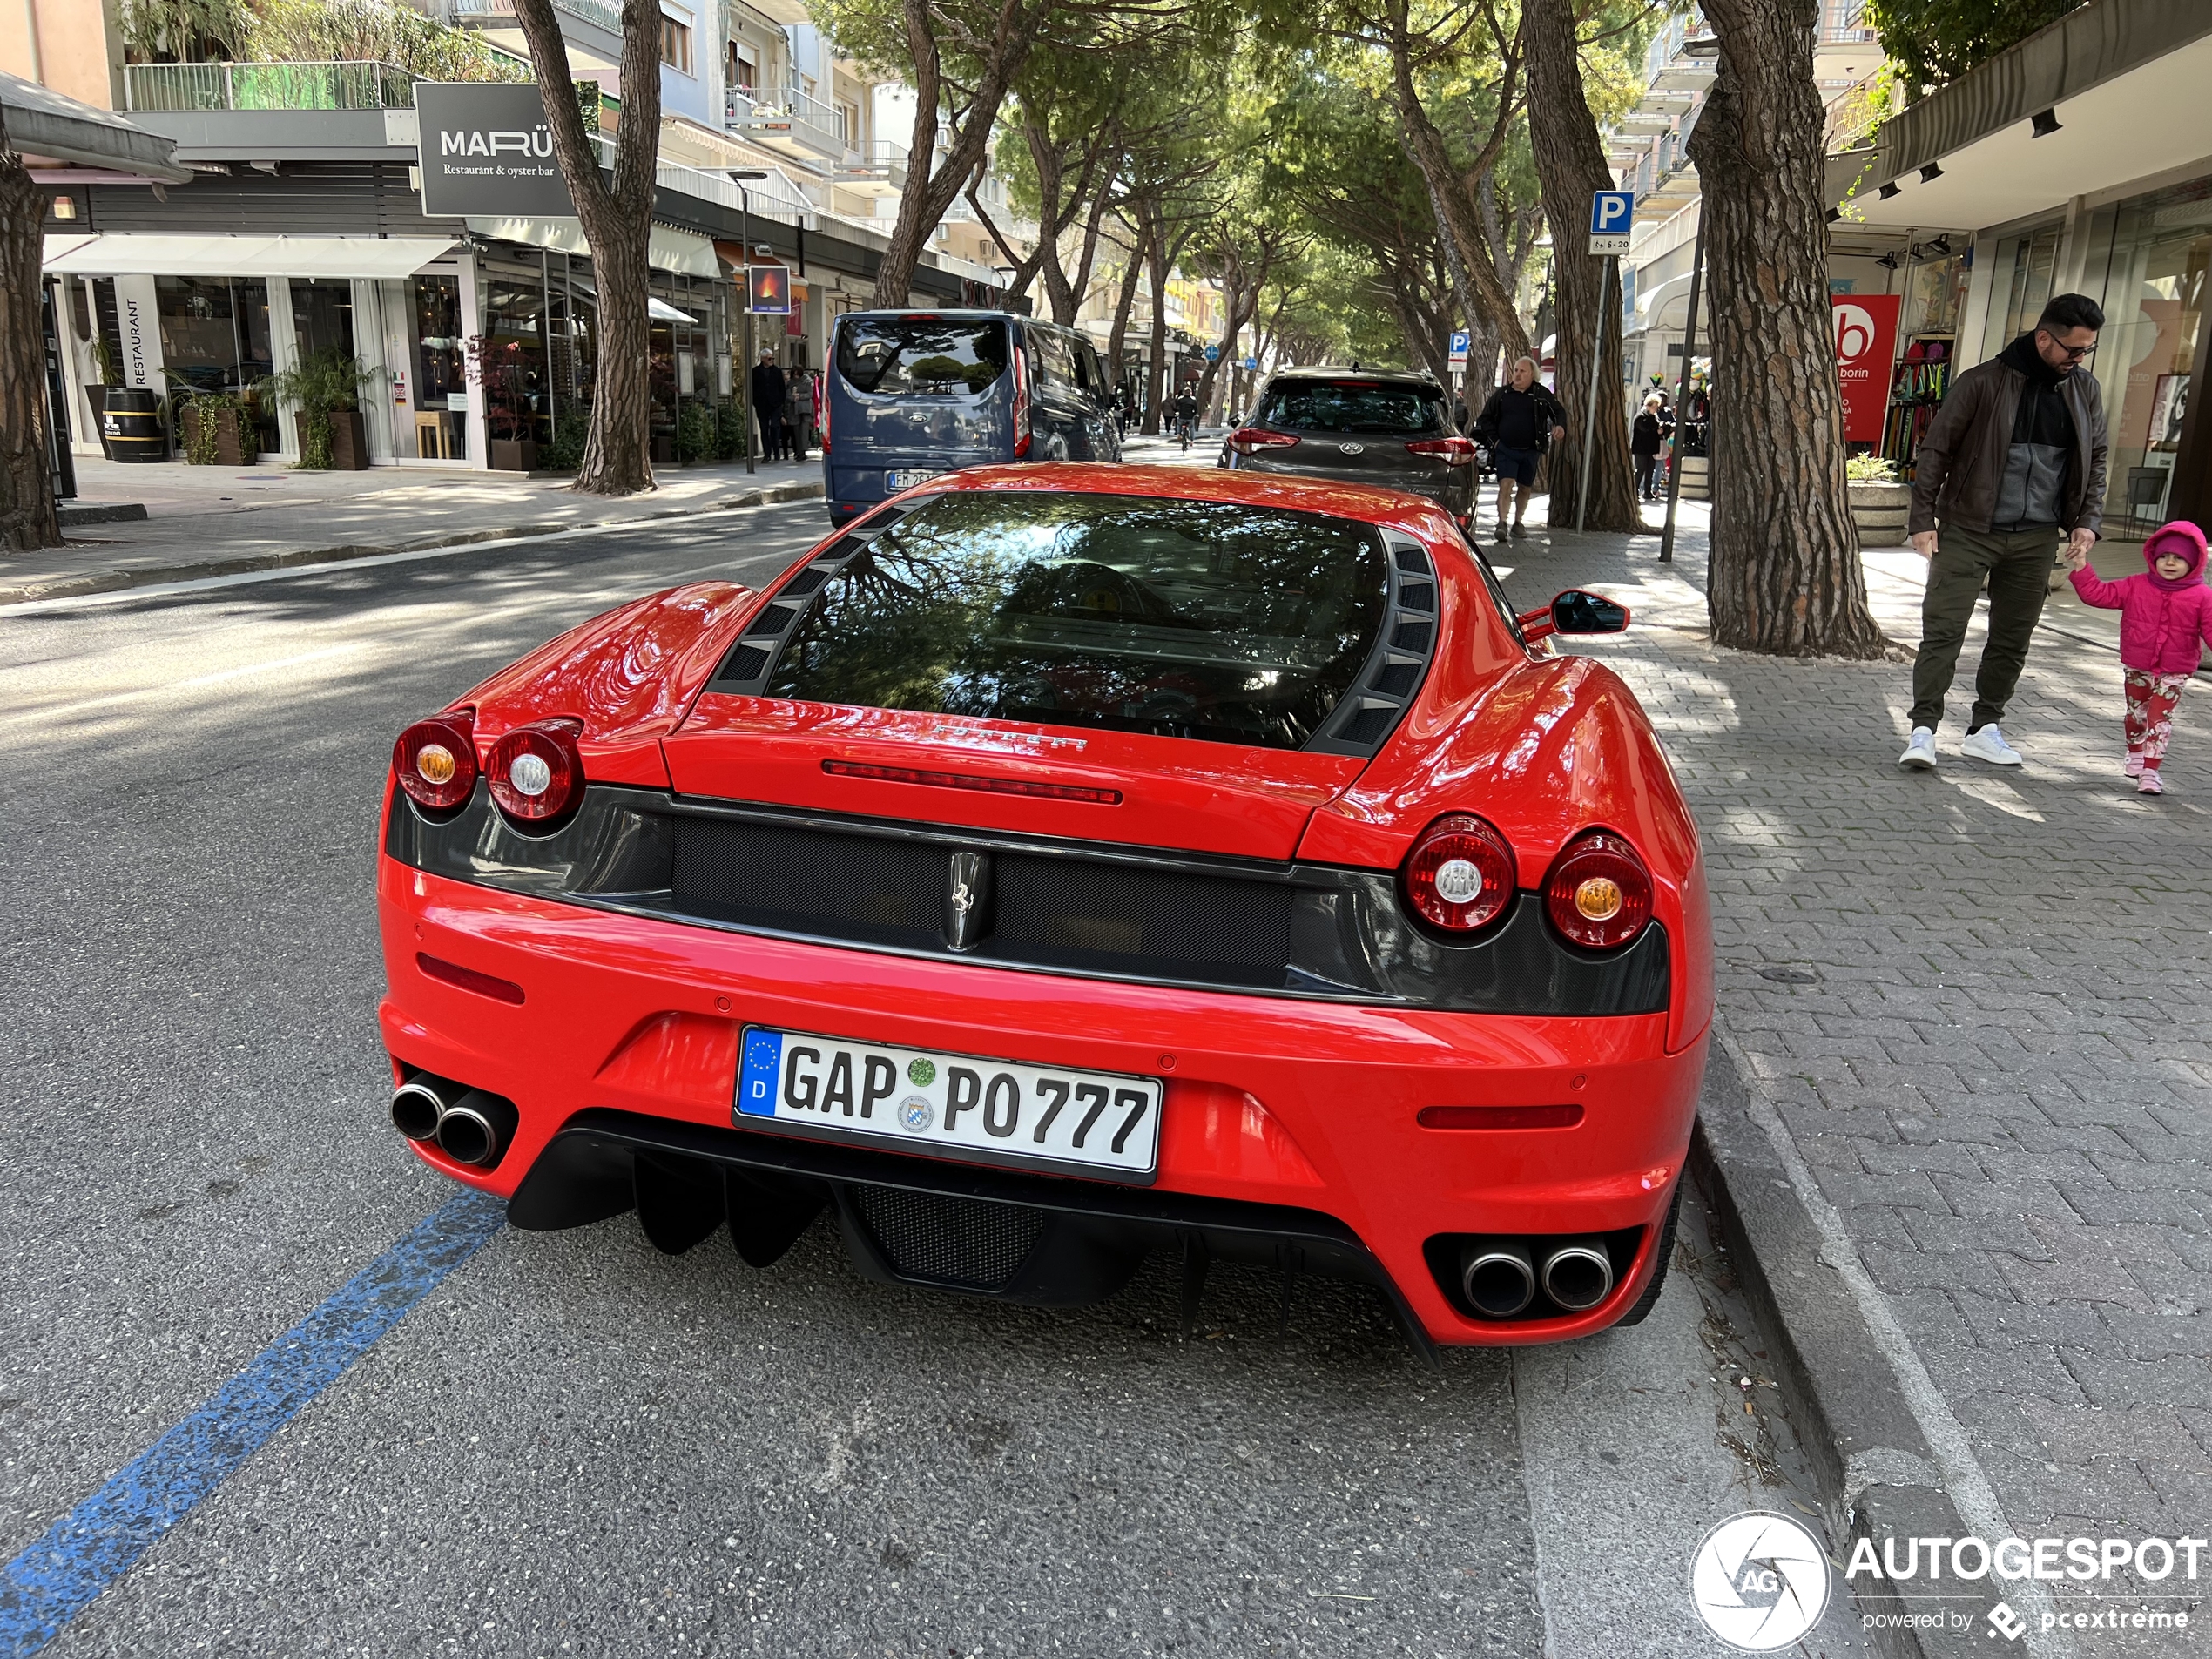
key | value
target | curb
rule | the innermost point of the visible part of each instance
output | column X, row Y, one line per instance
column 1876, row 1469
column 111, row 581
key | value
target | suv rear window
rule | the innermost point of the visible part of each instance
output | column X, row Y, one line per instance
column 885, row 356
column 1352, row 406
column 1187, row 619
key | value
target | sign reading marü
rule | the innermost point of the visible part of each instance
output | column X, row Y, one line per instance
column 1865, row 332
column 488, row 149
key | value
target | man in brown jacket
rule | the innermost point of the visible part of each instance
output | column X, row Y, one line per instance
column 2015, row 457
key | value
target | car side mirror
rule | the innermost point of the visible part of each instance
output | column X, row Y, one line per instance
column 1575, row 612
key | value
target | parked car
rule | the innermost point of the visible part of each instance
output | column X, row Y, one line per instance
column 910, row 395
column 1388, row 427
column 1061, row 864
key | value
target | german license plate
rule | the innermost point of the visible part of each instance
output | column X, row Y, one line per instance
column 950, row 1105
column 895, row 482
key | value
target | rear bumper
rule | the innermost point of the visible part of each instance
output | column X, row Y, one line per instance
column 1285, row 1125
column 1452, row 488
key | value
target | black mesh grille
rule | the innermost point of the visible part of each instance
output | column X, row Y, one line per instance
column 1411, row 636
column 953, row 1241
column 1417, row 596
column 748, row 662
column 1397, row 679
column 1412, row 558
column 868, row 889
column 1065, row 911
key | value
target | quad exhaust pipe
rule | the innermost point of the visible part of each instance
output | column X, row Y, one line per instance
column 470, row 1126
column 1500, row 1276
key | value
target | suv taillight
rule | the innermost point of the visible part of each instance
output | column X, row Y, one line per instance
column 535, row 773
column 1454, row 451
column 436, row 760
column 1245, row 440
column 1599, row 893
column 1460, row 874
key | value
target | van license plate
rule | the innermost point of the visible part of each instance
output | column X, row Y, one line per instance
column 895, row 482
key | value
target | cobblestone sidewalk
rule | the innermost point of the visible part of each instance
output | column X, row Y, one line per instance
column 1978, row 999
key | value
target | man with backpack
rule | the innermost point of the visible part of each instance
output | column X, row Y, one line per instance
column 1520, row 422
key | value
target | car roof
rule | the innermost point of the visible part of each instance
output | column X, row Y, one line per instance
column 1290, row 491
column 1342, row 372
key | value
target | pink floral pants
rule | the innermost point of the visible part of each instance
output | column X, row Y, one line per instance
column 2150, row 724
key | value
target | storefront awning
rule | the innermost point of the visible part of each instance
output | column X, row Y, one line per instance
column 669, row 249
column 41, row 122
column 137, row 253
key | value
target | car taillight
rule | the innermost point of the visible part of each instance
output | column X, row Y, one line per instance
column 1245, row 440
column 1021, row 401
column 1454, row 451
column 1460, row 874
column 1599, row 893
column 436, row 760
column 535, row 774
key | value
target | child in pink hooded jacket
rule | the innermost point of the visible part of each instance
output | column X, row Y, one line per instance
column 2165, row 622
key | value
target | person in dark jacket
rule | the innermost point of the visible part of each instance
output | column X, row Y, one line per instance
column 768, row 405
column 1520, row 420
column 1646, row 440
column 2014, row 460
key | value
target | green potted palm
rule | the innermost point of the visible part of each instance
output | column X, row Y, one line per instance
column 324, row 387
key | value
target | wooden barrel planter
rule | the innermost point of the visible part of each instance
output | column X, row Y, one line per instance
column 1880, row 512
column 131, row 422
column 1696, row 477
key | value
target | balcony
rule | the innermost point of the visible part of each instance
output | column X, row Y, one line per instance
column 802, row 127
column 878, row 169
column 500, row 14
column 187, row 88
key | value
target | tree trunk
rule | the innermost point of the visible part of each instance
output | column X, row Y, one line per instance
column 616, row 220
column 1571, row 162
column 1785, row 576
column 27, row 519
column 1117, row 340
column 1158, row 257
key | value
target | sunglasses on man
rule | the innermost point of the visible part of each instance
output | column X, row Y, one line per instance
column 2074, row 354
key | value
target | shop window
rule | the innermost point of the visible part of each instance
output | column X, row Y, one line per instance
column 215, row 338
column 676, row 45
column 322, row 315
column 517, row 406
column 2024, row 266
column 441, row 380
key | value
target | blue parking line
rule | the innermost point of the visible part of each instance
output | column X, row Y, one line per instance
column 57, row 1578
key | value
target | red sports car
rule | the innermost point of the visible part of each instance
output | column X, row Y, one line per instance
column 1061, row 863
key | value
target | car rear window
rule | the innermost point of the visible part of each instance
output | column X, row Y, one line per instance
column 1352, row 406
column 886, row 356
column 1190, row 620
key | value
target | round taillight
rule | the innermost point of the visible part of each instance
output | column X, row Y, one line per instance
column 1460, row 874
column 435, row 761
column 536, row 775
column 1599, row 893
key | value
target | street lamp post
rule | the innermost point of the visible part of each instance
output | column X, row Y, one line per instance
column 741, row 176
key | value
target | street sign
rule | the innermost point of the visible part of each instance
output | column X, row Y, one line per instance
column 1613, row 214
column 1458, row 348
column 1252, row 363
column 1213, row 354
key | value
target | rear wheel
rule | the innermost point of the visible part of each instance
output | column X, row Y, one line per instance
column 1649, row 1299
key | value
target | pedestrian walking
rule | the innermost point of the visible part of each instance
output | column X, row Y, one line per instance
column 1517, row 425
column 799, row 409
column 1645, row 442
column 2014, row 460
column 2165, row 623
column 768, row 392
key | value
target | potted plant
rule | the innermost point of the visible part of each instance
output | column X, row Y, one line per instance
column 1879, row 504
column 325, row 387
column 216, row 428
column 508, row 429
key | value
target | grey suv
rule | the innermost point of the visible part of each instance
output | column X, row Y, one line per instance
column 1390, row 427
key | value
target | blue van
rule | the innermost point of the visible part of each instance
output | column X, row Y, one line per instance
column 908, row 394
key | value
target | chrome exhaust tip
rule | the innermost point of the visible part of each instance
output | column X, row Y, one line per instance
column 476, row 1129
column 418, row 1103
column 1578, row 1275
column 1498, row 1280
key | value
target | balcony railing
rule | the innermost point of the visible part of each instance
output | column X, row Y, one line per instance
column 879, row 161
column 788, row 113
column 343, row 85
column 499, row 13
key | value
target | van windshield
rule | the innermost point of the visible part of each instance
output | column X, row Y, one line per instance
column 1181, row 618
column 928, row 357
column 1353, row 406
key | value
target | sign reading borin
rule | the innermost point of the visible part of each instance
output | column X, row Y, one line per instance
column 488, row 149
column 1866, row 328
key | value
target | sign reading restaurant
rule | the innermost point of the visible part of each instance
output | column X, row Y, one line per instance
column 488, row 149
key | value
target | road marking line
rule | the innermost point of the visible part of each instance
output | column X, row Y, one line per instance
column 44, row 1590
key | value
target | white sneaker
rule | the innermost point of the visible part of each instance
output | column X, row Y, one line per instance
column 1919, row 753
column 1989, row 744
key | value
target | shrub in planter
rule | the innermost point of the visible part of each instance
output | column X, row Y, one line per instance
column 571, row 431
column 217, row 431
column 320, row 385
column 1879, row 505
column 728, row 430
column 695, row 433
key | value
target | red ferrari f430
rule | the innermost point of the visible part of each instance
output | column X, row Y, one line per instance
column 1060, row 864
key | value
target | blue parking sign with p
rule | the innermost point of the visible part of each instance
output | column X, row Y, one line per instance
column 1612, row 212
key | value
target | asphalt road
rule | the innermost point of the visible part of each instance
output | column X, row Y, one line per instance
column 574, row 1445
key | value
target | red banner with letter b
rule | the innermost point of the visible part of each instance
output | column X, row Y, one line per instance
column 1866, row 336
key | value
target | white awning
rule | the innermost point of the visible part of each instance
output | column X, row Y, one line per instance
column 137, row 253
column 659, row 311
column 669, row 249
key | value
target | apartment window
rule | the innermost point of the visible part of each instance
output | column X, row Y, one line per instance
column 744, row 76
column 676, row 45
